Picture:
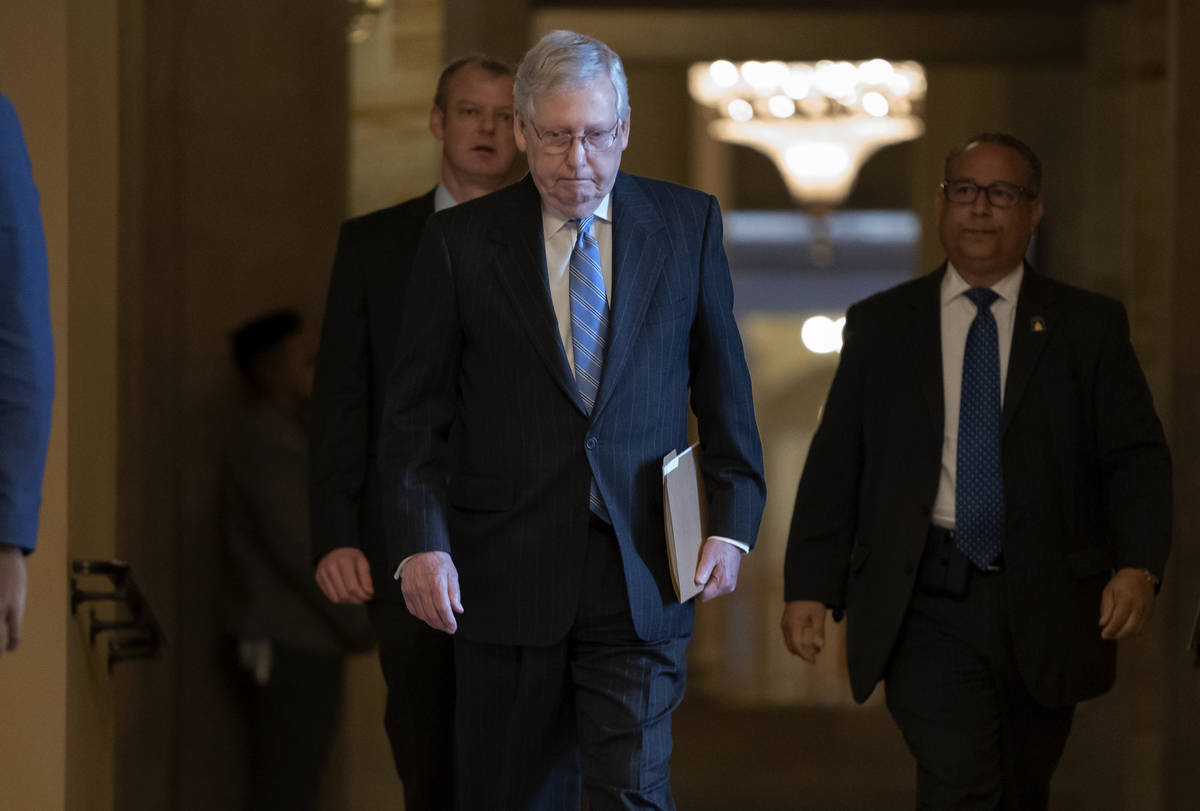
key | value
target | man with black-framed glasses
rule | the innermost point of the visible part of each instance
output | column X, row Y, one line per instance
column 987, row 499
column 556, row 333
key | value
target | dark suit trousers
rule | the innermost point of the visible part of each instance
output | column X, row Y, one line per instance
column 539, row 726
column 979, row 738
column 418, row 666
column 294, row 718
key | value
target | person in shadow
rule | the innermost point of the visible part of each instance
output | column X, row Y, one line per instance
column 291, row 641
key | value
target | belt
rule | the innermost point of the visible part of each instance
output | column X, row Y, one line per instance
column 945, row 570
column 940, row 535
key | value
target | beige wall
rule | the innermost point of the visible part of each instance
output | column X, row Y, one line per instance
column 92, row 368
column 58, row 64
column 33, row 681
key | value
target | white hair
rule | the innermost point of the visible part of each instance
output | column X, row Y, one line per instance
column 567, row 59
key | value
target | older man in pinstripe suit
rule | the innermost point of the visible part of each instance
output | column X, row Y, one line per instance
column 553, row 335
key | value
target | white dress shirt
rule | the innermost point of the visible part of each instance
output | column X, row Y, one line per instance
column 957, row 313
column 442, row 199
column 560, row 235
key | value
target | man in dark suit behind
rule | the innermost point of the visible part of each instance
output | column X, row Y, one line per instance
column 472, row 117
column 553, row 334
column 987, row 498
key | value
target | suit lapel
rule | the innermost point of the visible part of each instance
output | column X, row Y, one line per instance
column 1032, row 326
column 926, row 335
column 415, row 215
column 521, row 267
column 424, row 208
column 638, row 261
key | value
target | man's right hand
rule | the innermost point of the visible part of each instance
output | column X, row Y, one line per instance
column 430, row 585
column 345, row 576
column 803, row 627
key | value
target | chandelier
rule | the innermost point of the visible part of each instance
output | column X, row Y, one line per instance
column 363, row 16
column 817, row 121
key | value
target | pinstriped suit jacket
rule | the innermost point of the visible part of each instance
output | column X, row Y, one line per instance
column 485, row 448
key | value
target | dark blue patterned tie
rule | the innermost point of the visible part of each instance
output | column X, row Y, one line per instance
column 979, row 487
column 589, row 326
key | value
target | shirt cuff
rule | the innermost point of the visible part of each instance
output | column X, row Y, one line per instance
column 400, row 569
column 745, row 547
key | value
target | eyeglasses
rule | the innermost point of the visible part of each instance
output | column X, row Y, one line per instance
column 558, row 142
column 999, row 194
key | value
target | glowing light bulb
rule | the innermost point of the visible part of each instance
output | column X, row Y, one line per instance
column 740, row 110
column 875, row 103
column 899, row 84
column 876, row 71
column 775, row 73
column 818, row 160
column 781, row 106
column 761, row 76
column 724, row 73
column 822, row 335
column 797, row 84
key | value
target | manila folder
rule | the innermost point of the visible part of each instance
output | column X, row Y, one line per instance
column 685, row 514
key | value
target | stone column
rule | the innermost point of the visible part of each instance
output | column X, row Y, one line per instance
column 1182, row 590
column 234, row 150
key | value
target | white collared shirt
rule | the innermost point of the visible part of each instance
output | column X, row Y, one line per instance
column 560, row 235
column 443, row 199
column 957, row 313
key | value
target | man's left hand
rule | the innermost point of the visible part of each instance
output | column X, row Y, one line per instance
column 1126, row 604
column 718, row 568
column 12, row 596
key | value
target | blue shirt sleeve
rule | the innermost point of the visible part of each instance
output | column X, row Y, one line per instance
column 26, row 344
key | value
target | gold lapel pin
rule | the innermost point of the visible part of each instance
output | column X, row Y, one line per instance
column 1037, row 324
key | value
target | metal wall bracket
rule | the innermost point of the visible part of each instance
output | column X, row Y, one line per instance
column 136, row 635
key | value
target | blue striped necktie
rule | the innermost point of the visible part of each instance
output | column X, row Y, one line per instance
column 979, row 481
column 589, row 313
column 589, row 326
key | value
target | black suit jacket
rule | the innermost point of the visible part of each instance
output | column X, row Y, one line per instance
column 358, row 337
column 1087, row 481
column 487, row 451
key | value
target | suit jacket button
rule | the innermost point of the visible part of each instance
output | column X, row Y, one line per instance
column 591, row 443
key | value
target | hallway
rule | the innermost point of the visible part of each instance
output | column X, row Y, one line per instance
column 849, row 759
